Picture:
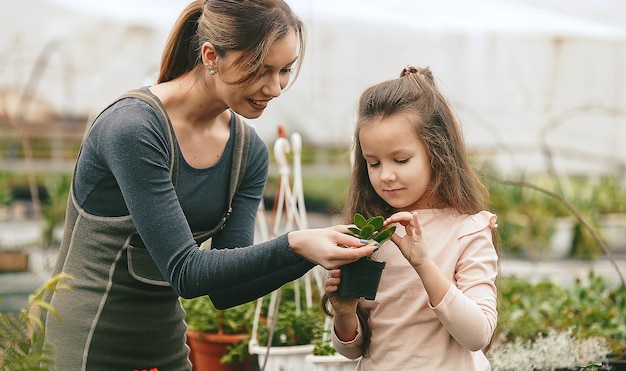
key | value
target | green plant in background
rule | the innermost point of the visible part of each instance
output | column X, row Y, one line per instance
column 292, row 327
column 202, row 316
column 609, row 195
column 53, row 210
column 527, row 217
column 323, row 336
column 323, row 348
column 527, row 209
column 22, row 334
column 323, row 343
column 295, row 323
column 5, row 191
column 589, row 308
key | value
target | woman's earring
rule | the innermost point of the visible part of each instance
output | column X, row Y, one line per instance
column 211, row 70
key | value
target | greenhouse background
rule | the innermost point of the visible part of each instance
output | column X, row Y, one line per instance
column 526, row 77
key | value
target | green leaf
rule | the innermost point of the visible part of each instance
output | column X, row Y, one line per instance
column 359, row 220
column 383, row 236
column 377, row 222
column 367, row 231
column 355, row 231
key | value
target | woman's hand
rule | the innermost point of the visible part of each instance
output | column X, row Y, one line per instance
column 412, row 244
column 320, row 246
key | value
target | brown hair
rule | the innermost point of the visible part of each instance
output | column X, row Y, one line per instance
column 250, row 26
column 454, row 181
column 415, row 94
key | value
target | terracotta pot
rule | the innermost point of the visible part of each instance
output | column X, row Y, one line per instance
column 360, row 279
column 206, row 350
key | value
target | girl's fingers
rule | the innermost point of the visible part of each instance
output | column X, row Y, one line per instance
column 402, row 217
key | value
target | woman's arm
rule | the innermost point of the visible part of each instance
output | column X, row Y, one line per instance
column 132, row 145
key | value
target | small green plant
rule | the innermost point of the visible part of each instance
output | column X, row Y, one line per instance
column 22, row 334
column 291, row 327
column 323, row 343
column 323, row 348
column 371, row 229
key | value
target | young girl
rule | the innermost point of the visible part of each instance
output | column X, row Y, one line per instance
column 436, row 304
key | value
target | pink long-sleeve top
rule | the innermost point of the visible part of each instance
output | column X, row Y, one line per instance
column 410, row 334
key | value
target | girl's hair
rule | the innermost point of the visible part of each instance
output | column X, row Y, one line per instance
column 454, row 181
column 249, row 26
column 415, row 95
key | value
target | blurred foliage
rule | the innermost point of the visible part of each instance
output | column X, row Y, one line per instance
column 527, row 217
column 590, row 308
column 292, row 327
column 53, row 209
column 201, row 315
column 22, row 334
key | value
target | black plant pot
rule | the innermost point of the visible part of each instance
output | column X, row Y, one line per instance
column 360, row 279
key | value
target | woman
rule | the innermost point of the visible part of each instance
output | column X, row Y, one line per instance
column 152, row 182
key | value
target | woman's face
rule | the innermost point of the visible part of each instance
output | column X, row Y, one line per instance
column 397, row 162
column 250, row 100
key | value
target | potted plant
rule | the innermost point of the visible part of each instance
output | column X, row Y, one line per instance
column 218, row 338
column 360, row 279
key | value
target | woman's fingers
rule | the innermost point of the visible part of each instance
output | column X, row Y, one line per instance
column 328, row 247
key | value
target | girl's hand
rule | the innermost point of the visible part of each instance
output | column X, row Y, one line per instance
column 320, row 246
column 345, row 320
column 412, row 244
column 341, row 305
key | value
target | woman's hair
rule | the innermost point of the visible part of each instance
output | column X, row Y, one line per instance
column 453, row 180
column 415, row 95
column 249, row 26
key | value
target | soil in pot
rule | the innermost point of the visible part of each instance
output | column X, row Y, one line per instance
column 360, row 279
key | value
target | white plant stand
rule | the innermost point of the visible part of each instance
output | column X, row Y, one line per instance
column 289, row 213
column 289, row 358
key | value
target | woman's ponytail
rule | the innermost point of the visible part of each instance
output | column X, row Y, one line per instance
column 180, row 54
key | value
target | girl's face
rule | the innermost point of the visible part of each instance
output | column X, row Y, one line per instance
column 397, row 162
column 250, row 100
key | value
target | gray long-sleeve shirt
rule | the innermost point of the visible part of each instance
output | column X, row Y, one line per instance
column 123, row 169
